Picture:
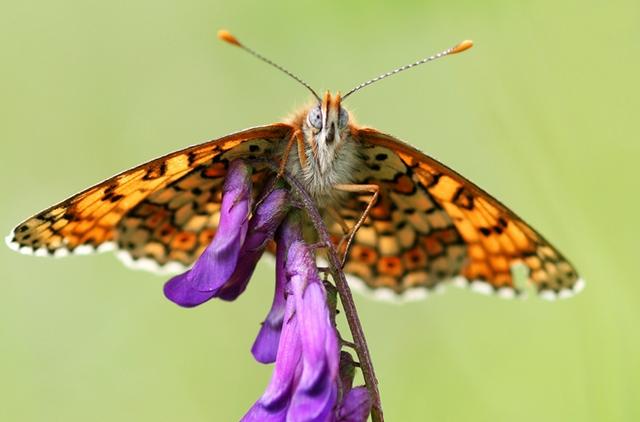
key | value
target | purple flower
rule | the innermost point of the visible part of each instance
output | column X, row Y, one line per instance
column 304, row 383
column 312, row 380
column 262, row 227
column 265, row 346
column 224, row 268
column 355, row 406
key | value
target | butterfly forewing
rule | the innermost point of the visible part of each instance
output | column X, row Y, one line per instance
column 430, row 225
column 163, row 211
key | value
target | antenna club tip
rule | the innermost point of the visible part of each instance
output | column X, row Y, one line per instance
column 464, row 45
column 226, row 36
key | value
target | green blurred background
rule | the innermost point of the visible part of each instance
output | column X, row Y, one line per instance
column 542, row 113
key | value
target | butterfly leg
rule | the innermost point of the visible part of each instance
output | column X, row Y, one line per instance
column 375, row 191
column 298, row 139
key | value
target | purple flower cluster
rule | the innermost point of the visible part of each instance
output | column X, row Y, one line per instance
column 312, row 380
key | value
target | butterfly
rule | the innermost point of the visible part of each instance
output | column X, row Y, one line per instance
column 419, row 223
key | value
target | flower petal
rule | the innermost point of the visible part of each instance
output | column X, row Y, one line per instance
column 355, row 406
column 262, row 226
column 313, row 408
column 316, row 392
column 319, row 337
column 305, row 379
column 219, row 260
column 275, row 400
column 180, row 291
column 265, row 347
column 259, row 413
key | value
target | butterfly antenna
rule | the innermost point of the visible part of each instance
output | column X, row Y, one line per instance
column 225, row 35
column 458, row 48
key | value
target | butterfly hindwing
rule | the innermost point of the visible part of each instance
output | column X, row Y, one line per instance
column 99, row 217
column 430, row 224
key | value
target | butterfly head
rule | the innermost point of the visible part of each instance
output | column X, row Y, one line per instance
column 327, row 123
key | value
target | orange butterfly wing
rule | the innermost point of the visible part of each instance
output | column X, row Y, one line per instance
column 161, row 213
column 431, row 224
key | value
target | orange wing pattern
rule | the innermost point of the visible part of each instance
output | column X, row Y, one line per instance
column 430, row 224
column 161, row 213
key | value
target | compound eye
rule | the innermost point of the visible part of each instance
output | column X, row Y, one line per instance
column 315, row 117
column 343, row 119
